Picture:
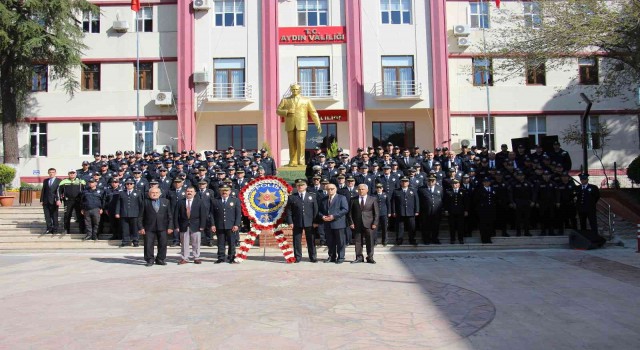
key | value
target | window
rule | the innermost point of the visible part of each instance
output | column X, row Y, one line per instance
column 312, row 12
column 402, row 134
column 90, row 22
column 537, row 129
column 228, row 78
column 397, row 75
column 532, row 15
column 90, row 138
column 395, row 11
column 324, row 140
column 313, row 76
column 483, row 135
column 588, row 69
column 144, row 136
column 536, row 73
column 479, row 14
column 90, row 77
column 238, row 136
column 38, row 142
column 40, row 77
column 593, row 131
column 144, row 19
column 482, row 72
column 229, row 13
column 145, row 76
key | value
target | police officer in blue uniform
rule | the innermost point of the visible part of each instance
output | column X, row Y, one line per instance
column 92, row 204
column 226, row 214
column 127, row 210
column 384, row 204
column 302, row 212
column 431, row 203
column 587, row 196
column 404, row 208
column 456, row 208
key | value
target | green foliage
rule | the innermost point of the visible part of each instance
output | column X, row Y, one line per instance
column 28, row 186
column 36, row 32
column 569, row 29
column 332, row 151
column 266, row 146
column 7, row 174
column 633, row 171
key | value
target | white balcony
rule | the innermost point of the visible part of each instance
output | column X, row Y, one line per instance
column 229, row 92
column 317, row 91
column 398, row 90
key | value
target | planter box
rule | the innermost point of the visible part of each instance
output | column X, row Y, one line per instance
column 9, row 198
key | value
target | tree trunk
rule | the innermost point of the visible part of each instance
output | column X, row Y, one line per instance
column 9, row 119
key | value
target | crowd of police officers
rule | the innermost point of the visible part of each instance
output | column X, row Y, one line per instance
column 506, row 191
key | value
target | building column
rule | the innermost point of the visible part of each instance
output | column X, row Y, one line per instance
column 270, row 120
column 355, row 89
column 440, row 67
column 186, row 90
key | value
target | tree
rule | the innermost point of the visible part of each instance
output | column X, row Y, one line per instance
column 553, row 33
column 36, row 32
column 597, row 139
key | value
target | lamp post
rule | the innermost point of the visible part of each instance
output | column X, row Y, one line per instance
column 585, row 116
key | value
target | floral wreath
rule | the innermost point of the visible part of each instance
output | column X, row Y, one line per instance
column 266, row 215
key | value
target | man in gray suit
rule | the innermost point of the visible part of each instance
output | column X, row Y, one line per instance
column 363, row 220
column 332, row 212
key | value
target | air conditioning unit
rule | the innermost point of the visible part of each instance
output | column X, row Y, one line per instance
column 201, row 5
column 120, row 26
column 201, row 78
column 461, row 30
column 164, row 98
column 464, row 42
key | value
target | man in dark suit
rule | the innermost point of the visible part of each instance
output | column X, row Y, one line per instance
column 128, row 211
column 431, row 201
column 333, row 211
column 587, row 197
column 190, row 217
column 50, row 200
column 363, row 219
column 155, row 222
column 456, row 207
column 485, row 200
column 405, row 207
column 226, row 215
column 302, row 212
column 384, row 204
column 406, row 161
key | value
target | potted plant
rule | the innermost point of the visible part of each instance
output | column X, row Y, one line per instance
column 7, row 174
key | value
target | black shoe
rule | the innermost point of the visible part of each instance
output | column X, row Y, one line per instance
column 330, row 261
column 124, row 244
column 297, row 261
column 219, row 261
column 413, row 242
column 357, row 261
column 232, row 261
column 399, row 242
column 173, row 244
column 504, row 234
column 437, row 241
column 371, row 261
column 210, row 244
column 461, row 241
column 149, row 263
column 313, row 260
column 135, row 244
column 46, row 232
column 160, row 262
column 339, row 261
column 322, row 242
column 527, row 234
column 87, row 237
column 95, row 238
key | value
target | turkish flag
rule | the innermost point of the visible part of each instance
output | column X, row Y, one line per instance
column 135, row 5
column 497, row 3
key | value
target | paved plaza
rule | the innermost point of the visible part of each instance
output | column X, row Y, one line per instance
column 508, row 299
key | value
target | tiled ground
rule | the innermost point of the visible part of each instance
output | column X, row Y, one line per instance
column 546, row 299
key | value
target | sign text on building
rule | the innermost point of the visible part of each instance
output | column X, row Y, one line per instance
column 329, row 116
column 312, row 35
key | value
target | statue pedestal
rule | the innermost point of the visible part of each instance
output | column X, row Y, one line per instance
column 266, row 239
column 290, row 174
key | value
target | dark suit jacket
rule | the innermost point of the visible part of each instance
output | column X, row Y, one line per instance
column 152, row 221
column 302, row 212
column 198, row 217
column 128, row 206
column 50, row 193
column 339, row 209
column 431, row 202
column 405, row 204
column 363, row 217
column 225, row 216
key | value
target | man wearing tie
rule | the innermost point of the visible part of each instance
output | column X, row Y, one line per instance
column 485, row 200
column 405, row 207
column 190, row 218
column 431, row 198
column 587, row 197
column 302, row 211
column 226, row 214
column 333, row 211
column 50, row 200
column 456, row 206
column 128, row 211
column 155, row 222
column 363, row 220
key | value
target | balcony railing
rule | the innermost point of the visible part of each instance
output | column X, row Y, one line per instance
column 317, row 90
column 229, row 92
column 406, row 89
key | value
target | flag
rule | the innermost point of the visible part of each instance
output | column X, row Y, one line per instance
column 498, row 3
column 135, row 5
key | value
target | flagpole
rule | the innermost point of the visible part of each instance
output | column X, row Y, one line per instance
column 138, row 128
column 486, row 77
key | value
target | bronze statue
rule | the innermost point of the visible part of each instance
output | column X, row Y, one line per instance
column 295, row 110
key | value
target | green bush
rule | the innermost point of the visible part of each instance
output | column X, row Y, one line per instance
column 7, row 174
column 633, row 171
